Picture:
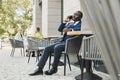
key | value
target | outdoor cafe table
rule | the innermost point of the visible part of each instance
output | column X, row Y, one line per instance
column 79, row 33
column 51, row 37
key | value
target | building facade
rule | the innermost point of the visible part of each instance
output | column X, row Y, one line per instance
column 48, row 14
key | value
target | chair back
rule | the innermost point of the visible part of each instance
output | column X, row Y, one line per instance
column 43, row 42
column 36, row 43
column 73, row 44
column 90, row 50
column 32, row 44
column 16, row 43
column 54, row 40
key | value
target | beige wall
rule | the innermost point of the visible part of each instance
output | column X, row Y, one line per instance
column 70, row 6
column 44, row 17
column 36, row 12
column 54, row 16
column 48, row 15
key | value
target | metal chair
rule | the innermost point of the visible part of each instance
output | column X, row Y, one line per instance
column 36, row 44
column 16, row 44
column 53, row 41
column 41, row 43
column 90, row 52
column 72, row 47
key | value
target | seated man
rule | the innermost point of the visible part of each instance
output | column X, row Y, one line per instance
column 39, row 35
column 58, row 47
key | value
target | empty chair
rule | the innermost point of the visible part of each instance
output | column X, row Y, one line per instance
column 36, row 44
column 41, row 43
column 54, row 40
column 16, row 44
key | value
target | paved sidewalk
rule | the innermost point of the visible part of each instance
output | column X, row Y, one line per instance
column 17, row 68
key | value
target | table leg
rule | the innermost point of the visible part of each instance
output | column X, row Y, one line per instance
column 88, row 75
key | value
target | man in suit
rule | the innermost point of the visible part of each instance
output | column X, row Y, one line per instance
column 58, row 47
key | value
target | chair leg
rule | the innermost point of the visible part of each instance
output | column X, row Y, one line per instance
column 50, row 60
column 37, row 56
column 65, row 64
column 29, row 56
column 21, row 51
column 24, row 52
column 82, row 68
column 69, row 62
column 78, row 57
column 12, row 52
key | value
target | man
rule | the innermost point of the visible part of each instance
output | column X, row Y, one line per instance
column 58, row 47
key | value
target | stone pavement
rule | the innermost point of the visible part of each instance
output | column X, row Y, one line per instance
column 17, row 68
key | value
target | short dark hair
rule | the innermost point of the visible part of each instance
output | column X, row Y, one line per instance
column 37, row 28
column 80, row 13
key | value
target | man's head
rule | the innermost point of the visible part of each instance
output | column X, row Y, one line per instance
column 77, row 16
column 19, row 30
column 37, row 29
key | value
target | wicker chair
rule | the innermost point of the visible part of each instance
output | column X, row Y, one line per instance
column 16, row 44
column 36, row 44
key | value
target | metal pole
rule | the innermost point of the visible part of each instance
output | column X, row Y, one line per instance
column 62, row 10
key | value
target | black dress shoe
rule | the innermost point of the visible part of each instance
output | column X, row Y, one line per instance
column 37, row 72
column 51, row 71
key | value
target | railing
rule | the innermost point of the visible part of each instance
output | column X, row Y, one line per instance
column 89, row 52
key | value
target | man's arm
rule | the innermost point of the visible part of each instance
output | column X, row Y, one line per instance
column 67, row 29
column 76, row 27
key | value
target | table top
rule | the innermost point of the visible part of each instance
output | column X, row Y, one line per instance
column 79, row 32
column 52, row 36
